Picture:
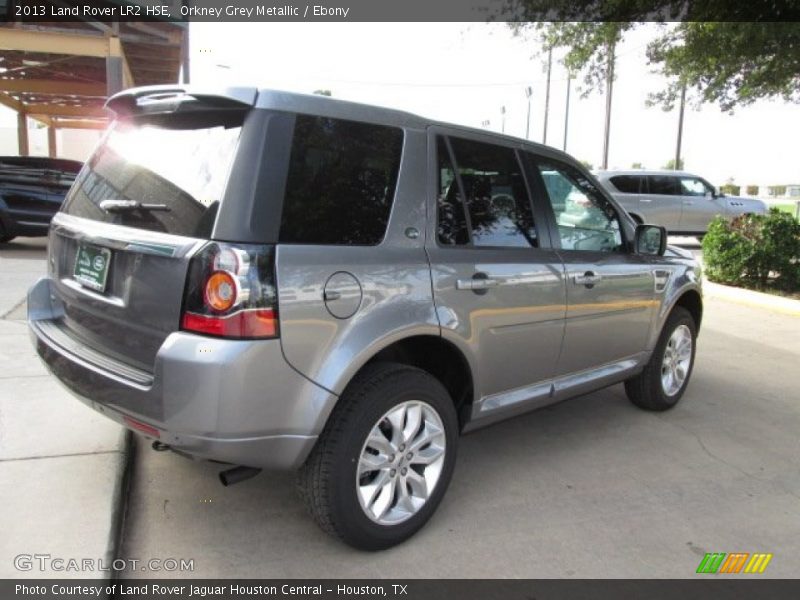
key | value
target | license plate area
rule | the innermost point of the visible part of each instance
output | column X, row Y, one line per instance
column 91, row 266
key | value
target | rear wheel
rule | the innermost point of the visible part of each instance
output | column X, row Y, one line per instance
column 385, row 459
column 663, row 381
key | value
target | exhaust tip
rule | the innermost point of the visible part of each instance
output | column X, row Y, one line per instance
column 160, row 446
column 237, row 475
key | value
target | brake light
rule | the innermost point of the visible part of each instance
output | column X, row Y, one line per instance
column 231, row 293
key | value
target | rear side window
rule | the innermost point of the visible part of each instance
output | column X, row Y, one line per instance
column 173, row 178
column 341, row 182
column 493, row 190
column 627, row 184
column 664, row 185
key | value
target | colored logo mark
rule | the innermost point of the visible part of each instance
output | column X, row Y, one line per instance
column 735, row 562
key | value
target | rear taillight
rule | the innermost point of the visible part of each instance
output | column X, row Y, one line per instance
column 231, row 292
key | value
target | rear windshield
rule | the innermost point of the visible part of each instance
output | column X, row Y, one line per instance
column 179, row 174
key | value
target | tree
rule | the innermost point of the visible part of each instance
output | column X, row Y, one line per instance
column 323, row 92
column 637, row 165
column 589, row 166
column 671, row 166
column 731, row 63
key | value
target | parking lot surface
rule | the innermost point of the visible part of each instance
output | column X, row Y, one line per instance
column 592, row 487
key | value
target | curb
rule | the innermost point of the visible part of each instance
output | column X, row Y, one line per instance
column 779, row 304
column 119, row 501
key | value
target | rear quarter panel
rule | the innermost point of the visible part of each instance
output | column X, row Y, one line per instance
column 396, row 300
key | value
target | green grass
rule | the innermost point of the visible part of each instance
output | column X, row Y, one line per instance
column 787, row 207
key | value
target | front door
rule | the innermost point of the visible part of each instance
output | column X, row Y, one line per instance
column 700, row 205
column 498, row 287
column 610, row 292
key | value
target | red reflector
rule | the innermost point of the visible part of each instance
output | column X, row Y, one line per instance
column 257, row 323
column 143, row 427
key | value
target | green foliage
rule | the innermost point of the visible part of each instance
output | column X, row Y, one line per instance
column 752, row 190
column 672, row 166
column 730, row 189
column 323, row 92
column 637, row 165
column 587, row 165
column 756, row 251
column 727, row 63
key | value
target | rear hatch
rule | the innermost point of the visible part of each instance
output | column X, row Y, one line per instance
column 144, row 202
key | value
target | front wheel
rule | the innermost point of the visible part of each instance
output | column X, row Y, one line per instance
column 385, row 458
column 663, row 381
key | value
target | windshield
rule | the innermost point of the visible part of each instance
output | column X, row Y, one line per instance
column 181, row 172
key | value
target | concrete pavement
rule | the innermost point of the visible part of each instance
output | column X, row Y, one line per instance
column 589, row 488
column 592, row 487
column 60, row 463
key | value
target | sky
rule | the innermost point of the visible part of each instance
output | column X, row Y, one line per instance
column 464, row 73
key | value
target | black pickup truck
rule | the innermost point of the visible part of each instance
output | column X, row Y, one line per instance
column 32, row 189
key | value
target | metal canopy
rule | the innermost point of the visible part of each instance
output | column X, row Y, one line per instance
column 61, row 74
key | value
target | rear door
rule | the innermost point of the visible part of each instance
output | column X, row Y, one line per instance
column 119, row 250
column 627, row 190
column 610, row 292
column 498, row 286
column 662, row 202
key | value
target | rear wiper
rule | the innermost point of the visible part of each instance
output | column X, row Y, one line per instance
column 127, row 205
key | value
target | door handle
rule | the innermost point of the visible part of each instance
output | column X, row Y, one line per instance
column 476, row 284
column 589, row 278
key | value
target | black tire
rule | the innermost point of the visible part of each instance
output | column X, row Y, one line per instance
column 327, row 481
column 646, row 390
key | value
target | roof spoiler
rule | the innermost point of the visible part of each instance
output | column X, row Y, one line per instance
column 161, row 99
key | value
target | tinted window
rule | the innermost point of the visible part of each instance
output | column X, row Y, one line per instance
column 586, row 219
column 451, row 222
column 664, row 185
column 182, row 172
column 627, row 184
column 341, row 182
column 498, row 207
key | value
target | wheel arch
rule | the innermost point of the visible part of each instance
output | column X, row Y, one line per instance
column 692, row 302
column 438, row 357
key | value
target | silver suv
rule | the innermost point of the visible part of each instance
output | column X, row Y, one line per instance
column 278, row 281
column 681, row 202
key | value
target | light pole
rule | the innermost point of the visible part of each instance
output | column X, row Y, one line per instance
column 528, row 94
column 547, row 93
column 609, row 90
column 680, row 129
column 566, row 111
column 503, row 117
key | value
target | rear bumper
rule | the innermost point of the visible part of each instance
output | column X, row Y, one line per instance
column 233, row 401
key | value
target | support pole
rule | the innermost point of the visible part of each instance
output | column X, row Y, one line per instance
column 52, row 150
column 22, row 134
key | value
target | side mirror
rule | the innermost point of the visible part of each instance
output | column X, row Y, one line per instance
column 650, row 239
